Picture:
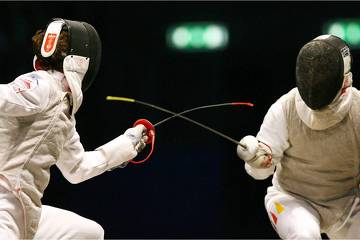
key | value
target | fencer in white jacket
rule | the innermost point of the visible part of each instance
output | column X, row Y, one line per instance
column 311, row 143
column 38, row 130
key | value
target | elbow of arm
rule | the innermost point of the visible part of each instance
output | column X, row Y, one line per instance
column 83, row 166
column 73, row 179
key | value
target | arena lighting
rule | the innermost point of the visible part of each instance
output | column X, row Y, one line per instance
column 197, row 36
column 346, row 29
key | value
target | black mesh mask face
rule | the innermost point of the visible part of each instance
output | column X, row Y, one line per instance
column 320, row 71
column 85, row 41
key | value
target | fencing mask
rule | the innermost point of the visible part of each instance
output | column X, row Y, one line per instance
column 320, row 69
column 81, row 63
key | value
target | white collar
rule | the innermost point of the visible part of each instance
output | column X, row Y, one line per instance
column 60, row 78
column 56, row 74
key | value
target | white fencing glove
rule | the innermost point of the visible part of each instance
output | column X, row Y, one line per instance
column 138, row 136
column 254, row 153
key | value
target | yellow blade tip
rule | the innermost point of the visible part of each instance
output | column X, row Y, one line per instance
column 124, row 99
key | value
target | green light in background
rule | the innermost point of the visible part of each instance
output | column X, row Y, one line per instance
column 197, row 36
column 353, row 33
column 181, row 37
column 337, row 30
column 215, row 36
column 346, row 29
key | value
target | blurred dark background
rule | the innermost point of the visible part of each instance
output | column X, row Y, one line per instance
column 194, row 186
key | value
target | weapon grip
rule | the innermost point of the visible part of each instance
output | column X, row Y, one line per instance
column 150, row 129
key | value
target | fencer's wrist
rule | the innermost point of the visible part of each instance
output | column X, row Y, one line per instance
column 122, row 165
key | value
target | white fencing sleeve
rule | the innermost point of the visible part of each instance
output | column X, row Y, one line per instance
column 78, row 165
column 27, row 94
column 259, row 173
column 274, row 133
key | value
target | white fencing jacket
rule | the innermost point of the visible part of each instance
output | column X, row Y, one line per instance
column 320, row 166
column 37, row 131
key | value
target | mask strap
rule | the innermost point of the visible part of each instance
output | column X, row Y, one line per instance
column 51, row 38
